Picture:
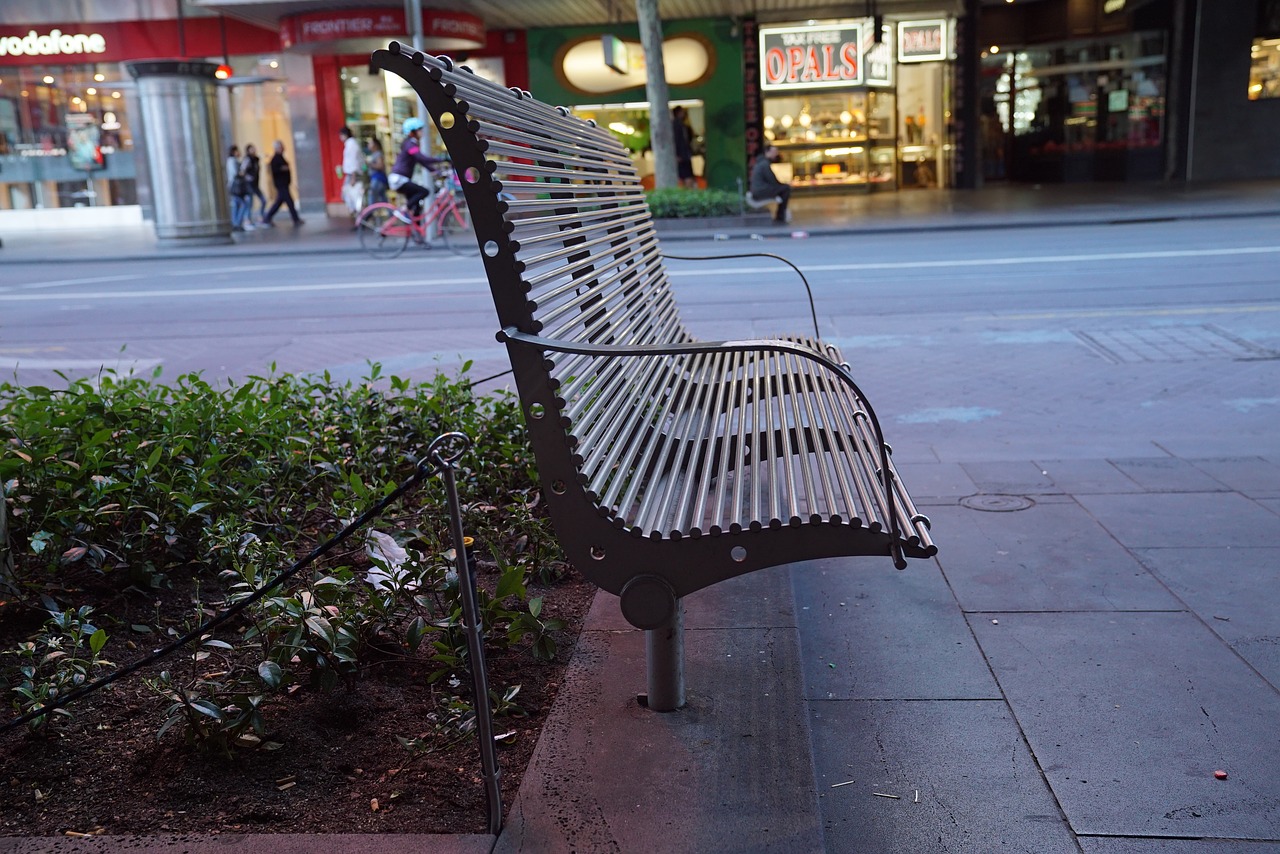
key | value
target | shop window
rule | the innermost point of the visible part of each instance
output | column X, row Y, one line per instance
column 1264, row 65
column 835, row 139
column 55, row 121
column 629, row 122
column 1078, row 111
column 1264, row 69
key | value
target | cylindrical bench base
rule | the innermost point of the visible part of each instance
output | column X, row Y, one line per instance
column 664, row 656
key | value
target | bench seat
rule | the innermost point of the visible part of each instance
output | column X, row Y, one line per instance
column 668, row 463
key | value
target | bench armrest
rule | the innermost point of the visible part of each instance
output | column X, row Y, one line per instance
column 511, row 335
column 813, row 311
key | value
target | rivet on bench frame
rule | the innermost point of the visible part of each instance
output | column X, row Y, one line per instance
column 558, row 487
column 446, row 121
column 597, row 553
column 537, row 410
column 738, row 553
column 491, row 249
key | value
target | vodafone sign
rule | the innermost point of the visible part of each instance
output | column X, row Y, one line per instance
column 811, row 56
column 52, row 43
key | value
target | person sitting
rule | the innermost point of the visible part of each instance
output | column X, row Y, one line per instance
column 411, row 155
column 765, row 185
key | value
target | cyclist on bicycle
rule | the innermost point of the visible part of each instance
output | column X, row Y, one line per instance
column 411, row 154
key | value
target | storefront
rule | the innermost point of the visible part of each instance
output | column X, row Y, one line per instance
column 374, row 106
column 857, row 105
column 1081, row 110
column 69, row 142
column 600, row 74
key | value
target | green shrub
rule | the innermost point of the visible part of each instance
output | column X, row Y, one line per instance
column 679, row 202
column 135, row 485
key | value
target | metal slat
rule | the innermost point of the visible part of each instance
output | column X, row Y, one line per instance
column 700, row 435
column 683, row 413
column 850, row 490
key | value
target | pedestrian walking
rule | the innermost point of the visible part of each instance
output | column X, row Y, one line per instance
column 765, row 185
column 237, row 189
column 253, row 176
column 683, row 133
column 352, row 173
column 281, row 179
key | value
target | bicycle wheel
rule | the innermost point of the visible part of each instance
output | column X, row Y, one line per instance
column 382, row 233
column 456, row 231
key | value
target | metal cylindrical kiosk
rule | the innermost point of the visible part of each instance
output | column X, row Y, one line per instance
column 178, row 100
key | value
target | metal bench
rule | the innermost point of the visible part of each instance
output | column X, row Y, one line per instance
column 668, row 463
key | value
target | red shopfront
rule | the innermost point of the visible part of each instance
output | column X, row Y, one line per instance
column 61, row 88
column 374, row 106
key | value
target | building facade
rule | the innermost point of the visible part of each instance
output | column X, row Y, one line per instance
column 916, row 95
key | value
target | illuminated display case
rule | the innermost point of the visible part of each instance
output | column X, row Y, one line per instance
column 833, row 139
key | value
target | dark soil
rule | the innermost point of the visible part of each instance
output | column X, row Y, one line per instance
column 340, row 767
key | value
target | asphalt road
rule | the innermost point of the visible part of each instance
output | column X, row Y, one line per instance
column 945, row 329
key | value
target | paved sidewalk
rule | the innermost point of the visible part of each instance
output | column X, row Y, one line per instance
column 1098, row 636
column 1004, row 207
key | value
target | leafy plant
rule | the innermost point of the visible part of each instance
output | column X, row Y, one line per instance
column 62, row 657
column 678, row 202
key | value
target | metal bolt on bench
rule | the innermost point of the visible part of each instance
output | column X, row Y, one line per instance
column 668, row 463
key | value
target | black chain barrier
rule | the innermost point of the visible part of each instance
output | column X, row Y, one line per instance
column 442, row 453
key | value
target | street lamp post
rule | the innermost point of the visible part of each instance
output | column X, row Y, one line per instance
column 660, row 133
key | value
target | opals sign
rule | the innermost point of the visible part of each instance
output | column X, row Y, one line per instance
column 810, row 57
column 922, row 41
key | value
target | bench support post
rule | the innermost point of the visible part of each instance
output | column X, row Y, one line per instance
column 664, row 655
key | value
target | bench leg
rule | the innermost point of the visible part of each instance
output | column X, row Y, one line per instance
column 664, row 654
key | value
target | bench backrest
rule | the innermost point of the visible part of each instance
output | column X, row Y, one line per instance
column 588, row 264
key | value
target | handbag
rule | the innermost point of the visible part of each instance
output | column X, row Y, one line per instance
column 239, row 186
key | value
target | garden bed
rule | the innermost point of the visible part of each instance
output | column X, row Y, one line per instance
column 340, row 702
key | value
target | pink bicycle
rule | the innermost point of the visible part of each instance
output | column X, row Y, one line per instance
column 385, row 230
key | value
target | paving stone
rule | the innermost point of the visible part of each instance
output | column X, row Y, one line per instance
column 979, row 787
column 1079, row 477
column 1166, row 474
column 1133, row 845
column 1233, row 591
column 732, row 769
column 1010, row 478
column 1170, row 520
column 935, row 483
column 1130, row 715
column 1050, row 557
column 872, row 634
column 1251, row 476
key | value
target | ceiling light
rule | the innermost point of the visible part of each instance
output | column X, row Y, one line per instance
column 91, row 91
column 995, row 48
column 48, row 79
column 99, row 77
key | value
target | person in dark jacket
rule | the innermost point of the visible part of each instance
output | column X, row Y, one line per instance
column 281, row 178
column 411, row 155
column 765, row 185
column 252, row 176
column 683, row 134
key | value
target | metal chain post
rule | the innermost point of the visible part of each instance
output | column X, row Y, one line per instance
column 474, row 631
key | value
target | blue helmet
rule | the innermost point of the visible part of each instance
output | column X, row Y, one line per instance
column 411, row 124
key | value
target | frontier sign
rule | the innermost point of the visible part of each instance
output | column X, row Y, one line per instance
column 54, row 43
